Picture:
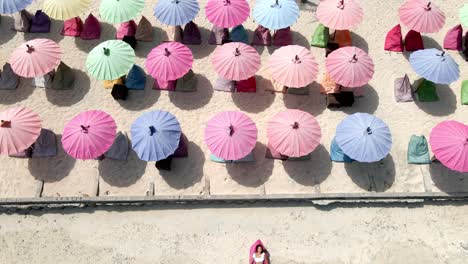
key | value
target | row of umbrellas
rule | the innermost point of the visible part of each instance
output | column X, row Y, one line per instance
column 419, row 15
column 229, row 135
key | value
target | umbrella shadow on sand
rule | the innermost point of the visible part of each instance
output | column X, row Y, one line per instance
column 186, row 172
column 447, row 180
column 73, row 96
column 372, row 177
column 193, row 100
column 308, row 5
column 122, row 173
column 313, row 103
column 54, row 34
column 255, row 103
column 108, row 32
column 52, row 169
column 359, row 42
column 143, row 48
column 141, row 100
column 205, row 49
column 446, row 105
column 367, row 103
column 310, row 172
column 297, row 39
column 24, row 90
column 5, row 29
column 252, row 174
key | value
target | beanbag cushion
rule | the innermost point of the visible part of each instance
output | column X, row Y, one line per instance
column 261, row 36
column 188, row 83
column 45, row 145
column 337, row 154
column 403, row 90
column 9, row 80
column 144, row 31
column 418, row 151
column 454, row 38
column 427, row 91
column 128, row 28
column 320, row 36
column 64, row 78
column 246, row 86
column 218, row 36
column 22, row 21
column 224, row 85
column 394, row 40
column 239, row 34
column 72, row 27
column 413, row 41
column 40, row 23
column 119, row 92
column 164, row 85
column 283, row 37
column 119, row 149
column 91, row 28
column 464, row 92
column 136, row 78
column 191, row 34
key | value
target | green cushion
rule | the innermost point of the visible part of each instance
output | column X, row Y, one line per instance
column 464, row 92
column 418, row 152
column 427, row 91
column 188, row 83
column 320, row 37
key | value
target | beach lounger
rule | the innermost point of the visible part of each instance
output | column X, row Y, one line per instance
column 119, row 149
column 64, row 78
column 403, row 90
column 40, row 23
column 91, row 28
column 261, row 36
column 72, row 27
column 191, row 34
column 337, row 154
column 283, row 37
column 454, row 39
column 119, row 92
column 174, row 33
column 218, row 36
column 413, row 41
column 418, row 151
column 188, row 83
column 426, row 91
column 144, row 30
column 128, row 28
column 246, row 86
column 239, row 34
column 394, row 40
column 45, row 145
column 320, row 37
column 136, row 78
column 9, row 80
column 22, row 21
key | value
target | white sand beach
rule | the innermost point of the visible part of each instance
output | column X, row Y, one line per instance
column 64, row 176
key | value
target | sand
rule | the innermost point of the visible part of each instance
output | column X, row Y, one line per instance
column 294, row 234
column 64, row 176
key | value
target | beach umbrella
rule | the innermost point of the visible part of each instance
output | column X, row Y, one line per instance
column 293, row 66
column 155, row 135
column 227, row 13
column 35, row 57
column 464, row 15
column 422, row 16
column 339, row 14
column 350, row 66
column 169, row 61
column 110, row 60
column 89, row 134
column 19, row 129
column 276, row 14
column 231, row 135
column 364, row 137
column 435, row 65
column 62, row 10
column 176, row 12
column 449, row 142
column 235, row 61
column 293, row 133
column 119, row 11
column 13, row 6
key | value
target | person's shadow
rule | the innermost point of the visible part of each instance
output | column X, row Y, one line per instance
column 255, row 102
column 446, row 105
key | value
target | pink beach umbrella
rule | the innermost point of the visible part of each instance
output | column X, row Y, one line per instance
column 350, row 66
column 231, row 135
column 227, row 13
column 422, row 16
column 339, row 14
column 19, row 129
column 89, row 134
column 449, row 142
column 235, row 61
column 293, row 66
column 169, row 61
column 293, row 133
column 35, row 57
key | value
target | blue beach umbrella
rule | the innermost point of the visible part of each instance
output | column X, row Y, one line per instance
column 435, row 65
column 155, row 135
column 13, row 6
column 364, row 137
column 276, row 14
column 176, row 12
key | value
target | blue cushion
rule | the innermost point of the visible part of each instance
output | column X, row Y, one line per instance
column 136, row 78
column 336, row 154
column 238, row 34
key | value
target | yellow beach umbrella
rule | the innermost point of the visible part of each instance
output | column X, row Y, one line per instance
column 65, row 9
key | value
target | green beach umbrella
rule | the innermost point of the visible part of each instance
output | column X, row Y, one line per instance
column 110, row 60
column 464, row 15
column 118, row 11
